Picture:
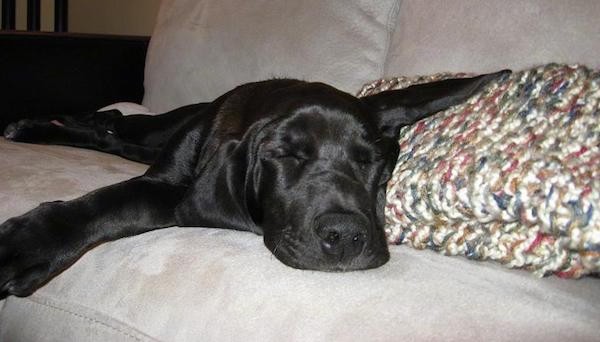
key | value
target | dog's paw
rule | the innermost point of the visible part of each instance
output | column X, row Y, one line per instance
column 16, row 131
column 30, row 254
column 32, row 131
column 22, row 268
column 11, row 131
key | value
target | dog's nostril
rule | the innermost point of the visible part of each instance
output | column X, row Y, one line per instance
column 341, row 235
column 332, row 237
column 330, row 243
column 360, row 237
column 358, row 243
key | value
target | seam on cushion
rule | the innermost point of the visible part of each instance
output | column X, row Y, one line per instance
column 46, row 304
column 391, row 22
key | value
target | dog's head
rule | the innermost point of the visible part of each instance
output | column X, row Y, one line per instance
column 321, row 175
column 323, row 164
column 311, row 167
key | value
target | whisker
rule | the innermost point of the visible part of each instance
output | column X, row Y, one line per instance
column 277, row 245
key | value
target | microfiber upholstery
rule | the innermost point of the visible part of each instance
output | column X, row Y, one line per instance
column 200, row 284
column 190, row 284
column 201, row 49
column 513, row 175
column 485, row 36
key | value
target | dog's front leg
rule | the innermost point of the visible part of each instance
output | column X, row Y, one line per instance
column 43, row 242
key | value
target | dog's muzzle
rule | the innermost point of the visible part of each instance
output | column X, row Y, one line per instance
column 343, row 237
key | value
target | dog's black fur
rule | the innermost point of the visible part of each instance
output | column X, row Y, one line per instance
column 303, row 164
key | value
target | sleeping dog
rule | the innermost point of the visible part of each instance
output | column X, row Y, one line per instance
column 303, row 164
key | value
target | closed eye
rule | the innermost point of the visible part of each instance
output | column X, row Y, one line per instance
column 297, row 156
column 363, row 160
column 287, row 153
column 365, row 155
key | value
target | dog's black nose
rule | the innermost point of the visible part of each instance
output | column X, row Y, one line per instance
column 342, row 235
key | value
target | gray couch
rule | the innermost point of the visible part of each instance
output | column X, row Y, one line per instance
column 183, row 284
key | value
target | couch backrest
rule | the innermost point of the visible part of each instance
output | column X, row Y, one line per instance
column 202, row 48
column 481, row 36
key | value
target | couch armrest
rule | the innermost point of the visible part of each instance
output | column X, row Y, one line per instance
column 45, row 74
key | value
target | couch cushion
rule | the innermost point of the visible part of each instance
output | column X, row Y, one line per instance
column 190, row 284
column 481, row 36
column 31, row 174
column 201, row 49
column 183, row 284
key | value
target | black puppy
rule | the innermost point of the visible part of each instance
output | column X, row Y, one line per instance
column 303, row 164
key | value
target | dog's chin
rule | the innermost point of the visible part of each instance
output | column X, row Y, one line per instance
column 358, row 264
column 315, row 260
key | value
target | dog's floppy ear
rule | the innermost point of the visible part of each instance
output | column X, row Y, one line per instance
column 397, row 108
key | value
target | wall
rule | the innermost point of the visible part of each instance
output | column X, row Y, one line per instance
column 128, row 17
column 124, row 17
column 47, row 20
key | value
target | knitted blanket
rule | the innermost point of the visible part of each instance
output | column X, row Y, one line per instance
column 512, row 175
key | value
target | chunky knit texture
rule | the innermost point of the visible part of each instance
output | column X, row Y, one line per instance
column 512, row 175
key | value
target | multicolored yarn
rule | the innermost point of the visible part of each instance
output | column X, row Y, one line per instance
column 512, row 175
